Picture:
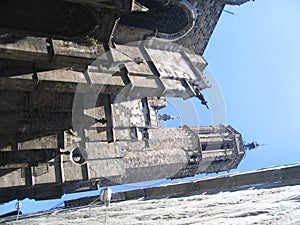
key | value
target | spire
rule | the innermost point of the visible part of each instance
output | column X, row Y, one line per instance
column 251, row 146
column 166, row 117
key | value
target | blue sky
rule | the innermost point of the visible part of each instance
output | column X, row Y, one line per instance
column 254, row 56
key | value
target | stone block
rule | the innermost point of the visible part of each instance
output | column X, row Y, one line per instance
column 170, row 64
column 12, row 178
column 108, row 82
column 62, row 81
column 72, row 172
column 105, row 168
column 95, row 134
column 74, row 53
column 197, row 61
column 44, row 173
column 124, row 34
column 18, row 83
column 40, row 143
column 102, row 150
column 140, row 69
column 174, row 88
column 128, row 114
column 144, row 86
column 122, row 134
column 28, row 49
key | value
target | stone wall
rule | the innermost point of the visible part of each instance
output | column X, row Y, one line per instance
column 209, row 12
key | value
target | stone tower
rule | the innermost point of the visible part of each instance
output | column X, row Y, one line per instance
column 81, row 111
column 71, row 131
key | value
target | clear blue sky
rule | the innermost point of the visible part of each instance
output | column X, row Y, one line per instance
column 255, row 57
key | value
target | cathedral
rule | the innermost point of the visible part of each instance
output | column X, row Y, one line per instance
column 81, row 86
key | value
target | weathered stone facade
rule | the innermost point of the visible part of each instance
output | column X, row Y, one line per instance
column 206, row 14
column 209, row 12
column 105, row 108
column 78, row 114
